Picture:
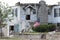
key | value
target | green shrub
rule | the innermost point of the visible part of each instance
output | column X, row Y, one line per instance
column 44, row 28
column 41, row 28
column 52, row 27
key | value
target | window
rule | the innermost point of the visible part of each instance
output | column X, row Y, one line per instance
column 58, row 24
column 12, row 12
column 16, row 12
column 49, row 12
column 12, row 28
column 27, row 17
column 59, row 11
column 34, row 12
column 55, row 13
column 38, row 19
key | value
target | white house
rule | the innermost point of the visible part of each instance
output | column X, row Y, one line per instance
column 54, row 16
column 23, row 14
column 21, row 18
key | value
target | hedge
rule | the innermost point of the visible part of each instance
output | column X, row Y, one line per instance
column 44, row 28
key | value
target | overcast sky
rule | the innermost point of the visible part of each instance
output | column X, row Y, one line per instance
column 12, row 2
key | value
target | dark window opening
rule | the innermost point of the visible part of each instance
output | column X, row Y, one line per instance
column 49, row 13
column 34, row 12
column 12, row 28
column 55, row 13
column 59, row 11
column 16, row 12
column 58, row 24
column 27, row 17
column 12, row 12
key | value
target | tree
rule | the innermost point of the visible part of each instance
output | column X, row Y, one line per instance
column 5, row 10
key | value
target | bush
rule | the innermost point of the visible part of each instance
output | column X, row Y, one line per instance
column 44, row 28
column 52, row 27
column 41, row 28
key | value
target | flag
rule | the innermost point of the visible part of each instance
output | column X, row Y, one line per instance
column 36, row 24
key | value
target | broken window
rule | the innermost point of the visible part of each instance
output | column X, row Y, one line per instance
column 27, row 17
column 12, row 28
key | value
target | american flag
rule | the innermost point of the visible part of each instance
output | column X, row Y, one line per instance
column 37, row 23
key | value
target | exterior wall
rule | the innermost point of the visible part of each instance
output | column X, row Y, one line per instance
column 24, row 13
column 16, row 20
column 51, row 18
column 24, row 23
column 41, row 12
column 21, row 16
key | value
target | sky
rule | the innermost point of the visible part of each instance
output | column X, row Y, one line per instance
column 12, row 2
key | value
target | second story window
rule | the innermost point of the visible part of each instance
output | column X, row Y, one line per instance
column 34, row 12
column 58, row 24
column 55, row 12
column 12, row 12
column 27, row 17
column 49, row 12
column 16, row 12
column 59, row 11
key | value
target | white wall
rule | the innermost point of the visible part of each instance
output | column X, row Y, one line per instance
column 51, row 18
column 21, row 16
column 33, row 17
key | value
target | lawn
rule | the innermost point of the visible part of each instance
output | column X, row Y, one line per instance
column 35, row 32
column 11, row 39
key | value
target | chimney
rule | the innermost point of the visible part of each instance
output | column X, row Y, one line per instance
column 17, row 4
column 58, row 3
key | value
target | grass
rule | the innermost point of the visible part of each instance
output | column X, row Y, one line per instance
column 34, row 33
column 11, row 39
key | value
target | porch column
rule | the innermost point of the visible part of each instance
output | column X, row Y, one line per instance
column 8, row 30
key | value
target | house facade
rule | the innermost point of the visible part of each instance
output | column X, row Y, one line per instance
column 24, row 14
column 54, row 15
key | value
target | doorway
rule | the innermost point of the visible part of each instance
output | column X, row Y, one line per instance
column 11, row 29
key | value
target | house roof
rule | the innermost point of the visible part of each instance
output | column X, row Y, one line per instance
column 23, row 4
column 50, row 6
column 29, row 6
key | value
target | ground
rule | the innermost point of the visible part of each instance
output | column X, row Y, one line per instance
column 35, row 36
